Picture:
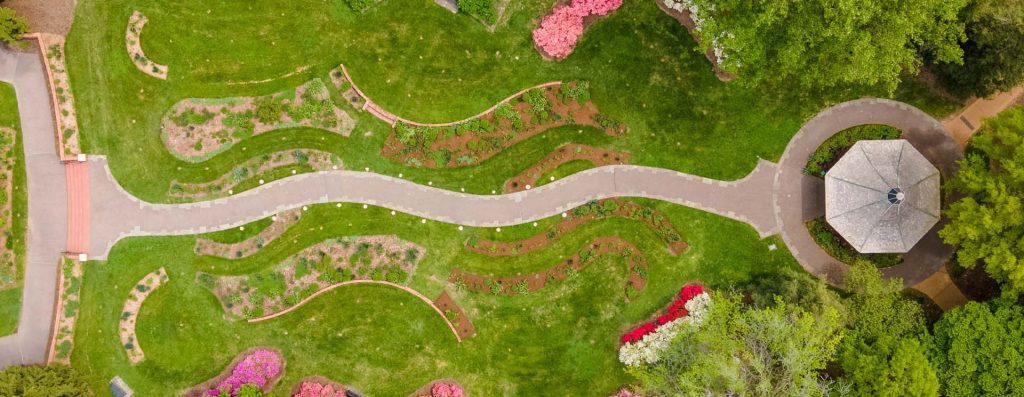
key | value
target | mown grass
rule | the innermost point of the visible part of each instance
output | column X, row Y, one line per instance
column 558, row 341
column 563, row 170
column 10, row 299
column 423, row 63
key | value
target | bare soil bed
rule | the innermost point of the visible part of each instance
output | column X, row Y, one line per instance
column 132, row 40
column 577, row 217
column 463, row 325
column 317, row 267
column 564, row 154
column 130, row 314
column 473, row 141
column 524, row 284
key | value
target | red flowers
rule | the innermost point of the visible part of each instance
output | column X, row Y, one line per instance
column 558, row 32
column 676, row 310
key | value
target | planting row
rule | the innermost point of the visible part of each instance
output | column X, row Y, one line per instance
column 564, row 156
column 279, row 224
column 130, row 313
column 134, row 44
column 8, row 160
column 320, row 266
column 254, row 171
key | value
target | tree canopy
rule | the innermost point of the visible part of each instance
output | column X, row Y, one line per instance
column 885, row 351
column 772, row 351
column 992, row 52
column 988, row 224
column 820, row 43
column 12, row 26
column 35, row 381
column 979, row 349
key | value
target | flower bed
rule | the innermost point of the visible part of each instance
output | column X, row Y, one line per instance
column 686, row 13
column 440, row 388
column 259, row 367
column 279, row 224
column 524, row 284
column 480, row 138
column 320, row 266
column 579, row 216
column 456, row 316
column 318, row 387
column 131, row 40
column 559, row 31
column 68, row 121
column 196, row 129
column 67, row 311
column 255, row 168
column 644, row 344
column 564, row 154
column 130, row 314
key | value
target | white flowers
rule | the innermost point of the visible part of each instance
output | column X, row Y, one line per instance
column 648, row 349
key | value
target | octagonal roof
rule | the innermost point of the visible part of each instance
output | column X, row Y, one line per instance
column 882, row 196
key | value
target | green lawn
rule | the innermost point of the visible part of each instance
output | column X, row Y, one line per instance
column 10, row 299
column 558, row 341
column 421, row 62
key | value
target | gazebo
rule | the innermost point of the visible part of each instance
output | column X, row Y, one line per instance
column 882, row 196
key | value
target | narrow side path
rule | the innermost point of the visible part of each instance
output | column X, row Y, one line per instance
column 964, row 123
column 115, row 214
column 47, row 210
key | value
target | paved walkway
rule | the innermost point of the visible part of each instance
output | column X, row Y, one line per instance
column 968, row 120
column 115, row 214
column 799, row 197
column 46, row 210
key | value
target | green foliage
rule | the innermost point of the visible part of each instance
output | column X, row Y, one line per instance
column 978, row 349
column 992, row 52
column 269, row 110
column 885, row 351
column 833, row 148
column 12, row 26
column 578, row 91
column 988, row 224
column 192, row 117
column 838, row 248
column 54, row 380
column 795, row 287
column 772, row 351
column 539, row 103
column 361, row 5
column 483, row 9
column 820, row 43
column 507, row 112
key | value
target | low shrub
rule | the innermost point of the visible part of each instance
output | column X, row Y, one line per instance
column 483, row 9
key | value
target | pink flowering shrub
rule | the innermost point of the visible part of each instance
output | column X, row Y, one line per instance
column 442, row 389
column 624, row 392
column 313, row 389
column 559, row 31
column 255, row 369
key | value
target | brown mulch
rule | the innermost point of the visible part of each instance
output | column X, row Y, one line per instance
column 606, row 245
column 626, row 209
column 463, row 326
column 568, row 112
column 200, row 389
column 250, row 245
column 562, row 155
column 687, row 22
column 45, row 16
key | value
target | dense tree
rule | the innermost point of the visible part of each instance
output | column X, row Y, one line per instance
column 988, row 224
column 34, row 381
column 820, row 43
column 979, row 349
column 884, row 353
column 771, row 351
column 992, row 52
column 795, row 287
column 12, row 26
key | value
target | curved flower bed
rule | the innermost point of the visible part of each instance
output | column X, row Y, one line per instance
column 644, row 344
column 130, row 314
column 131, row 40
column 559, row 31
column 259, row 368
column 440, row 388
column 312, row 388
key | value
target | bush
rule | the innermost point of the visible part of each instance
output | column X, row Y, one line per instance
column 360, row 5
column 483, row 9
column 833, row 148
column 269, row 110
column 559, row 31
column 55, row 380
column 12, row 26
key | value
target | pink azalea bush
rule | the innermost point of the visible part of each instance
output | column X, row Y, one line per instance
column 445, row 389
column 559, row 31
column 313, row 389
column 624, row 392
column 255, row 369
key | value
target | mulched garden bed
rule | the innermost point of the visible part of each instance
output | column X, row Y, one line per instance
column 196, row 129
column 577, row 217
column 317, row 267
column 478, row 139
column 279, row 224
column 131, row 40
column 130, row 314
column 201, row 389
column 54, row 46
column 8, row 262
column 518, row 285
column 67, row 311
column 254, row 168
column 463, row 325
column 564, row 154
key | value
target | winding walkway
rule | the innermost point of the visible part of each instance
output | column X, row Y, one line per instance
column 47, row 203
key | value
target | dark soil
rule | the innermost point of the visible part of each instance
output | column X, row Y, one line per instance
column 463, row 325
column 562, row 155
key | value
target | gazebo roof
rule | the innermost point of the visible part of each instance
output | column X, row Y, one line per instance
column 882, row 196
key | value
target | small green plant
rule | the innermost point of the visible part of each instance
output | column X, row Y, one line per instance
column 269, row 110
column 522, row 288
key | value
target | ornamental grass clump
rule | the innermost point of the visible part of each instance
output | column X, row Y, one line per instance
column 559, row 31
column 256, row 369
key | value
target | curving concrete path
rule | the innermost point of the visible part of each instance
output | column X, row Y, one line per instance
column 116, row 214
column 47, row 205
